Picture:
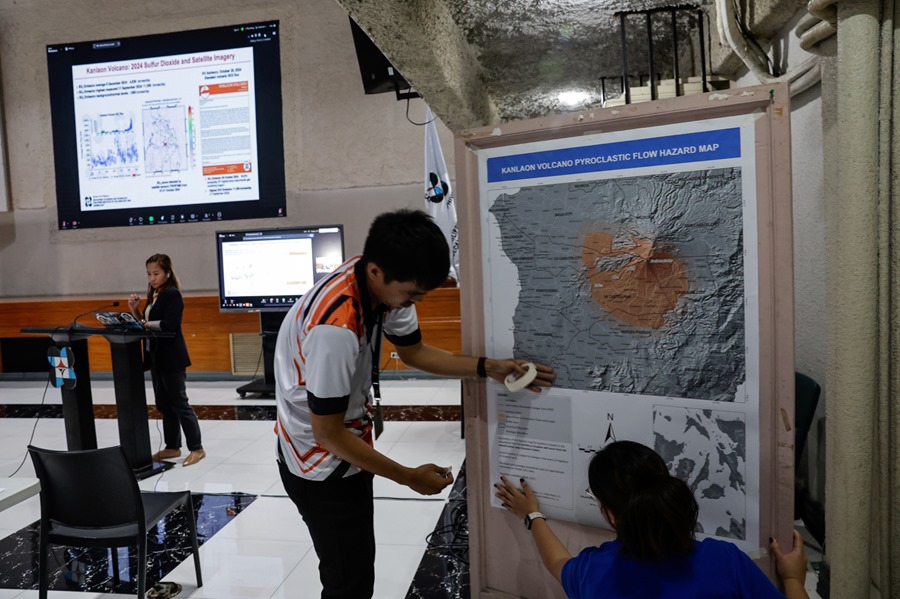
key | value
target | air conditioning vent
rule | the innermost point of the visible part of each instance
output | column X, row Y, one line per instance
column 246, row 354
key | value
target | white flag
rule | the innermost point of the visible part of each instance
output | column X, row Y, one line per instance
column 439, row 201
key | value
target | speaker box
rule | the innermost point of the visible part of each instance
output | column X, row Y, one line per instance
column 377, row 72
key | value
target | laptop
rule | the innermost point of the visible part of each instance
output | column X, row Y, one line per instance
column 118, row 320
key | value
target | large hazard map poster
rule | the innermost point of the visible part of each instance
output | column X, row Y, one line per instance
column 628, row 262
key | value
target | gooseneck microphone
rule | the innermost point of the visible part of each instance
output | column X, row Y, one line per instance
column 112, row 305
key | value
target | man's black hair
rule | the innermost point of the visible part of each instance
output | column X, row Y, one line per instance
column 408, row 246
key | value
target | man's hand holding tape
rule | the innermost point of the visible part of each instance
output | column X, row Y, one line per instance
column 527, row 375
column 518, row 374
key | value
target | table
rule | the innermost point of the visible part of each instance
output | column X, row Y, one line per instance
column 15, row 490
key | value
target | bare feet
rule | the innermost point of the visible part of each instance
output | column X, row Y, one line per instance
column 194, row 457
column 166, row 454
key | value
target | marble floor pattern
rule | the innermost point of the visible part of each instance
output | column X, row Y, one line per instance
column 265, row 551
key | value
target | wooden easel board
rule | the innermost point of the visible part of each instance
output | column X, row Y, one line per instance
column 645, row 253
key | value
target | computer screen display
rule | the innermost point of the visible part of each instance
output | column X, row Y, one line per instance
column 169, row 128
column 270, row 269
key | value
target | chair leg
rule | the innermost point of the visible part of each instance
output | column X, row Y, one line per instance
column 114, row 562
column 43, row 568
column 195, row 545
column 142, row 566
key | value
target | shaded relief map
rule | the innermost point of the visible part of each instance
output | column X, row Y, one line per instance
column 631, row 285
column 706, row 449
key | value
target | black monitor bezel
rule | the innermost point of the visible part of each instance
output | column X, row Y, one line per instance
column 269, row 107
column 258, row 307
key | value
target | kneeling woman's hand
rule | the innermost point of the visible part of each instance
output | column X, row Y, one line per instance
column 521, row 502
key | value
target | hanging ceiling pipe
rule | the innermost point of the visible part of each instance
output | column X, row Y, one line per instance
column 675, row 70
column 653, row 90
column 625, row 86
column 800, row 78
column 814, row 33
column 729, row 30
column 705, row 85
column 824, row 10
column 819, row 25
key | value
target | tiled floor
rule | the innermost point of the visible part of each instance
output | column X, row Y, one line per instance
column 265, row 551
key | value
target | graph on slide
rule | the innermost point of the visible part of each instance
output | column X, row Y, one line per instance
column 110, row 145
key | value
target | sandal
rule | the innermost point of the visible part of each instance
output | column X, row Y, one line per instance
column 164, row 590
column 194, row 457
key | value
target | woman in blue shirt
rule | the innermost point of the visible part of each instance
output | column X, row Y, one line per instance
column 655, row 554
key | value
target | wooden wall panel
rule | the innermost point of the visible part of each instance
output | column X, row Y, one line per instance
column 207, row 330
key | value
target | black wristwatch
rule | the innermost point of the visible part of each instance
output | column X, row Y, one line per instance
column 532, row 517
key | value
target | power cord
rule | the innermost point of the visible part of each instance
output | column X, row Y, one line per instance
column 457, row 545
column 33, row 428
column 412, row 121
column 159, row 448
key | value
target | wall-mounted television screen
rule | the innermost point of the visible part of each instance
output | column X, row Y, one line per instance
column 270, row 269
column 170, row 128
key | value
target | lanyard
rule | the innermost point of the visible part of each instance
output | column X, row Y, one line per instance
column 378, row 417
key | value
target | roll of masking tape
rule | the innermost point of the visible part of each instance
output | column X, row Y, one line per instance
column 514, row 382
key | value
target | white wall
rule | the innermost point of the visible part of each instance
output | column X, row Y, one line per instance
column 809, row 232
column 348, row 156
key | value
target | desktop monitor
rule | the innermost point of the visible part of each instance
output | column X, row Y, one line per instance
column 270, row 269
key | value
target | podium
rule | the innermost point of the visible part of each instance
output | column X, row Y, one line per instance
column 130, row 393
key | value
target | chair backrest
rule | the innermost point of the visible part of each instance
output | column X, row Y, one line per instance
column 87, row 488
column 806, row 398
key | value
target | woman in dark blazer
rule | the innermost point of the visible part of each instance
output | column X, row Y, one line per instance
column 167, row 359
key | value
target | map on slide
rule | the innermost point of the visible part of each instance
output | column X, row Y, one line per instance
column 165, row 140
column 707, row 450
column 633, row 284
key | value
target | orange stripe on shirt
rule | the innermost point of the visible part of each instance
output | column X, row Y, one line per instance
column 301, row 459
column 300, row 381
column 345, row 315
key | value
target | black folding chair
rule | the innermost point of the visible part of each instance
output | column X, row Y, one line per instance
column 91, row 498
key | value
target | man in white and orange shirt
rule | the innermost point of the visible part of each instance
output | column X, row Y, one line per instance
column 323, row 371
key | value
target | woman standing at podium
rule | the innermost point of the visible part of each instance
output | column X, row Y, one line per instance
column 167, row 359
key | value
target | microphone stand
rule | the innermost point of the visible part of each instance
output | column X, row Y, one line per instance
column 112, row 305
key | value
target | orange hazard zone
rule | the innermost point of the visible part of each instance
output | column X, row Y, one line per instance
column 224, row 88
column 634, row 278
column 227, row 169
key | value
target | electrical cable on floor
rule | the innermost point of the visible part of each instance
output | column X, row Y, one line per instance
column 160, row 448
column 458, row 530
column 33, row 429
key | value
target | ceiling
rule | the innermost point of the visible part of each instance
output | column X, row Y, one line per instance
column 532, row 51
column 481, row 62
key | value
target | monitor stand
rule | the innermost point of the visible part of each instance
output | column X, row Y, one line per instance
column 269, row 323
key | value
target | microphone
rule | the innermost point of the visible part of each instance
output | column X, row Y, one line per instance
column 112, row 305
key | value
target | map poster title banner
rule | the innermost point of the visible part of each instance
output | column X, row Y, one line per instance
column 704, row 146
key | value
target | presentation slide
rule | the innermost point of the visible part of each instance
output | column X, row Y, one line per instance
column 270, row 269
column 176, row 130
column 281, row 266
